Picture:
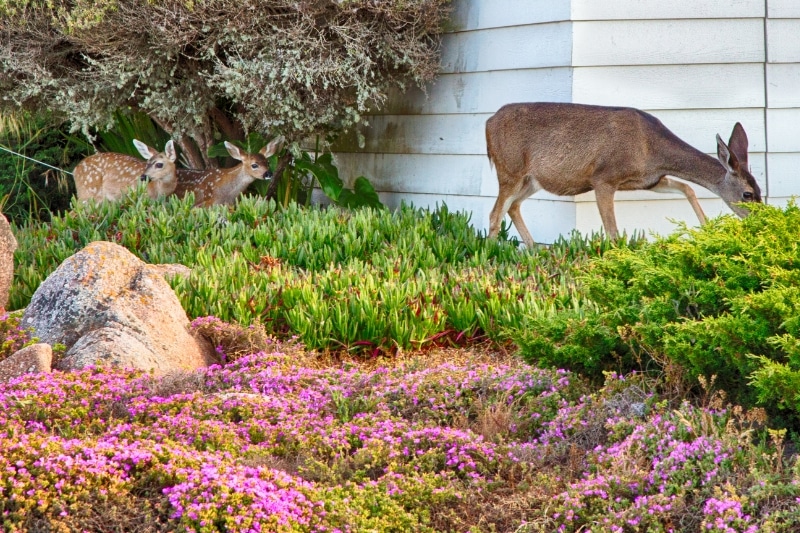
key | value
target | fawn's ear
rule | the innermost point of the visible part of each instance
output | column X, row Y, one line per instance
column 143, row 149
column 169, row 151
column 233, row 150
column 272, row 147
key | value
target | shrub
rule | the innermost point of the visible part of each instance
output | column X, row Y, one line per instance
column 721, row 300
column 216, row 67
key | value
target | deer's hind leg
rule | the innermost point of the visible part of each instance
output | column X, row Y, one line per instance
column 512, row 194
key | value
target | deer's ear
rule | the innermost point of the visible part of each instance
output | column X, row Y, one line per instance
column 726, row 157
column 738, row 143
column 169, row 151
column 233, row 150
column 272, row 147
column 143, row 149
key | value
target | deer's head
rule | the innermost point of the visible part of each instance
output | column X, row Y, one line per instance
column 739, row 184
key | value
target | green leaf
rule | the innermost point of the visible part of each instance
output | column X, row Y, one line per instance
column 326, row 173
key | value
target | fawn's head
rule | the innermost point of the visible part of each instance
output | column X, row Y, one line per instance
column 739, row 184
column 255, row 165
column 160, row 166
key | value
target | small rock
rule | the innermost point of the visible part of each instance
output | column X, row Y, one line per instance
column 33, row 359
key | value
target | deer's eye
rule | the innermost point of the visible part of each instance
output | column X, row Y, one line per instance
column 254, row 166
column 159, row 165
column 747, row 195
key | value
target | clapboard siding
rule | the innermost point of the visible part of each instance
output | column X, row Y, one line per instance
column 783, row 130
column 421, row 173
column 423, row 134
column 671, row 86
column 783, row 9
column 699, row 127
column 784, row 179
column 783, row 84
column 484, row 92
column 483, row 14
column 698, row 65
column 539, row 45
column 671, row 9
column 783, row 44
column 659, row 42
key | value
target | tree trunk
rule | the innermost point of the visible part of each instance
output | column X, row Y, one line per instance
column 189, row 149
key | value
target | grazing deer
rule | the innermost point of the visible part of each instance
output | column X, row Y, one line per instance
column 569, row 149
column 224, row 185
column 108, row 176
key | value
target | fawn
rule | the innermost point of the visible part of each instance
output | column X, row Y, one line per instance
column 108, row 176
column 224, row 185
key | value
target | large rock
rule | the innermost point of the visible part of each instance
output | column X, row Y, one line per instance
column 110, row 308
column 7, row 246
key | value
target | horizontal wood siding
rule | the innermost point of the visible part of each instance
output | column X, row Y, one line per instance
column 515, row 47
column 783, row 84
column 672, row 86
column 783, row 99
column 484, row 14
column 698, row 65
column 483, row 92
column 787, row 9
column 670, row 9
column 664, row 42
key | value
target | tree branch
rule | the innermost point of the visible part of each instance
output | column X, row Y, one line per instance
column 283, row 162
column 231, row 129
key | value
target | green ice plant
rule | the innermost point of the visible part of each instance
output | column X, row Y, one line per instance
column 362, row 279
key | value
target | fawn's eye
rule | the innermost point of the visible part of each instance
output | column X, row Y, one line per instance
column 747, row 195
column 159, row 165
column 254, row 166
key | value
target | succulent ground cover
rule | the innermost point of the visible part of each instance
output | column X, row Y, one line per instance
column 456, row 440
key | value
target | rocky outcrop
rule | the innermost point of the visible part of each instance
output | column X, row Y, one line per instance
column 32, row 359
column 7, row 246
column 110, row 308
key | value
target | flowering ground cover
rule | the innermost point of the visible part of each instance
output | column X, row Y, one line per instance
column 457, row 440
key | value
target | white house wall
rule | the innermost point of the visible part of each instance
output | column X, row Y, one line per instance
column 783, row 99
column 699, row 66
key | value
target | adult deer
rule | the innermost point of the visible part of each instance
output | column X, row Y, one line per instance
column 569, row 149
column 108, row 176
column 224, row 185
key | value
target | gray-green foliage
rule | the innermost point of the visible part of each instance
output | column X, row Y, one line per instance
column 297, row 67
column 337, row 278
